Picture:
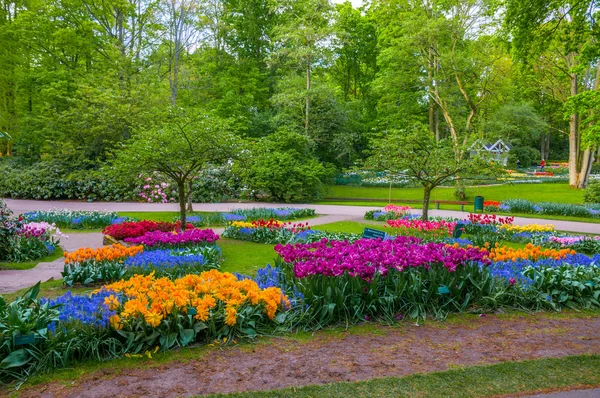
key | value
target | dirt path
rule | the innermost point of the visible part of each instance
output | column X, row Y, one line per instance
column 377, row 351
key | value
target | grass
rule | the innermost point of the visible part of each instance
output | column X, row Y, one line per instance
column 559, row 193
column 245, row 257
column 478, row 381
column 31, row 264
column 354, row 227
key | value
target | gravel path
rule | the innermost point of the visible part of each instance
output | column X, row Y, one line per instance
column 333, row 357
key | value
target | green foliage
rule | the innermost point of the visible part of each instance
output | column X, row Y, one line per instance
column 592, row 193
column 518, row 124
column 283, row 167
column 548, row 208
column 55, row 180
column 527, row 155
column 411, row 293
column 425, row 160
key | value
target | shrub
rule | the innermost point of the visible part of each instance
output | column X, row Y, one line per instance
column 284, row 167
column 592, row 193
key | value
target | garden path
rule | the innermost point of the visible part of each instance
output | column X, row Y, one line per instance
column 13, row 280
column 334, row 356
column 21, row 206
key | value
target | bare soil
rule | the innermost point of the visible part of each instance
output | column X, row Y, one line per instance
column 359, row 354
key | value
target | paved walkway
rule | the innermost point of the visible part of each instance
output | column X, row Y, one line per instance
column 21, row 206
column 592, row 393
column 13, row 280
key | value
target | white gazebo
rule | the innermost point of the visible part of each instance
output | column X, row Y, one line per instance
column 497, row 151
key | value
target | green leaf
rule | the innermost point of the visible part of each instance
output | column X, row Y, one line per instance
column 15, row 359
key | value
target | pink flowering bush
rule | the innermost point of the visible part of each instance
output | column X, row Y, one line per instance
column 155, row 189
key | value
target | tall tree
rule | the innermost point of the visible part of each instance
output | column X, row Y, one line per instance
column 556, row 37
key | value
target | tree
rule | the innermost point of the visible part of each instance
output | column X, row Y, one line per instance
column 283, row 166
column 303, row 40
column 179, row 148
column 430, row 162
column 558, row 40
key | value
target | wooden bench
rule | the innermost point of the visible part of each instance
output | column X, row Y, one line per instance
column 437, row 202
column 451, row 202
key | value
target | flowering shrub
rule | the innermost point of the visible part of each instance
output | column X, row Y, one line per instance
column 196, row 307
column 265, row 231
column 434, row 230
column 155, row 188
column 530, row 252
column 74, row 219
column 189, row 237
column 135, row 229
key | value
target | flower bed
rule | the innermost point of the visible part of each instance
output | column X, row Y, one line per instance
column 432, row 230
column 546, row 208
column 389, row 212
column 259, row 213
column 530, row 252
column 369, row 257
column 187, row 238
column 135, row 315
column 265, row 231
column 111, row 263
column 74, row 219
column 135, row 229
column 20, row 242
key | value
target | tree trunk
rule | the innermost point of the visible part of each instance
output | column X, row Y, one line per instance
column 189, row 198
column 543, row 145
column 588, row 154
column 182, row 213
column 426, row 195
column 586, row 167
column 573, row 139
column 307, row 94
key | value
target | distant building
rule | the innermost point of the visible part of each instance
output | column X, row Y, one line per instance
column 497, row 151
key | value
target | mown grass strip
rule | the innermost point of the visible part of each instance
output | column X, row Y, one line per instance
column 574, row 372
column 58, row 253
column 559, row 193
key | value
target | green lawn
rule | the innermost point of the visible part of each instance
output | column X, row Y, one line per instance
column 245, row 257
column 31, row 264
column 478, row 381
column 560, row 193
